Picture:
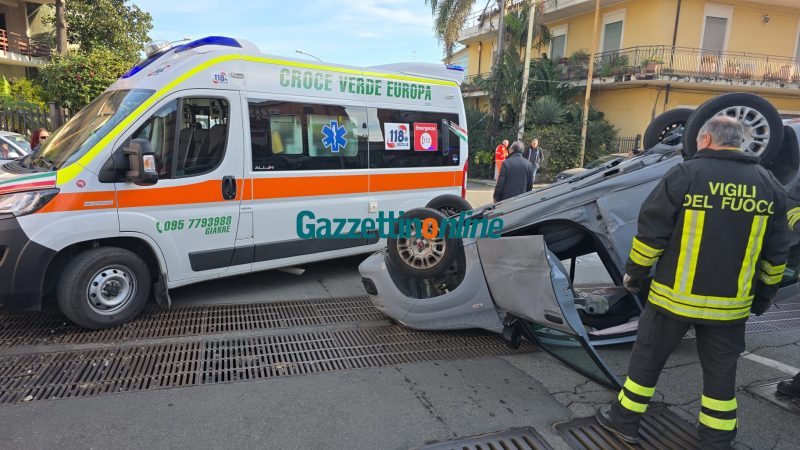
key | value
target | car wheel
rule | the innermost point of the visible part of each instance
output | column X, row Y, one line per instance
column 449, row 205
column 103, row 287
column 763, row 126
column 421, row 257
column 672, row 121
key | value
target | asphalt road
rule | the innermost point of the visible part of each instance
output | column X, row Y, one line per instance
column 396, row 407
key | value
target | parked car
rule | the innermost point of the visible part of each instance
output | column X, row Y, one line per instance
column 604, row 161
column 528, row 280
column 13, row 145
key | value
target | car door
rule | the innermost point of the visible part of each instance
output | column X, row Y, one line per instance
column 192, row 212
column 529, row 282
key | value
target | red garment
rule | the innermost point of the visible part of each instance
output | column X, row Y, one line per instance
column 500, row 154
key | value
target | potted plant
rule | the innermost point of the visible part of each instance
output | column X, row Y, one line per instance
column 652, row 64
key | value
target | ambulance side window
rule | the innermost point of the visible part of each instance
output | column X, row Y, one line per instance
column 189, row 145
column 302, row 136
column 399, row 138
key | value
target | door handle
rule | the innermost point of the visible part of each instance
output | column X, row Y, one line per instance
column 228, row 187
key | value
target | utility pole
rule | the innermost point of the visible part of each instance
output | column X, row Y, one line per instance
column 589, row 75
column 61, row 27
column 526, row 72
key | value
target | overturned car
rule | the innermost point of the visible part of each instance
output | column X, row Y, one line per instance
column 538, row 279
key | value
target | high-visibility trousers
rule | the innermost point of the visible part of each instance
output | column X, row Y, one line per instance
column 718, row 348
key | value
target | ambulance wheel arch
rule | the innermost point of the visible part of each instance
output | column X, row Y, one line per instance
column 71, row 263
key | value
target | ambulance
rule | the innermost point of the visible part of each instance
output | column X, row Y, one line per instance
column 196, row 163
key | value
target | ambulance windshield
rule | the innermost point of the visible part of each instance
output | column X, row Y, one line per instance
column 83, row 131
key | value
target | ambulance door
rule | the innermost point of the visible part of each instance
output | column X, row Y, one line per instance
column 192, row 212
column 308, row 163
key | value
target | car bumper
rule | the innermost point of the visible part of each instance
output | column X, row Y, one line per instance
column 22, row 268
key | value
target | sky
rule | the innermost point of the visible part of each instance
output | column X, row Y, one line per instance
column 354, row 32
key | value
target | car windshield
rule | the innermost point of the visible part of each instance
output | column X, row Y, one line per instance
column 20, row 141
column 83, row 131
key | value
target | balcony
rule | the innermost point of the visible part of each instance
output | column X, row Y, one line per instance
column 480, row 24
column 22, row 50
column 693, row 65
column 475, row 85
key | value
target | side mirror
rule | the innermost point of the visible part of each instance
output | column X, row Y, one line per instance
column 141, row 163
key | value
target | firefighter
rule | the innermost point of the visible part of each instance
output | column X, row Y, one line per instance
column 791, row 387
column 717, row 227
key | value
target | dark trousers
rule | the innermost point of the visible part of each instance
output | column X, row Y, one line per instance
column 718, row 348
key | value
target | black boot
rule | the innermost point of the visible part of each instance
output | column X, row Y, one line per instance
column 790, row 388
column 603, row 416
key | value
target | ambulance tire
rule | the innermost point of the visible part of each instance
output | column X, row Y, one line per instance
column 422, row 258
column 112, row 271
column 766, row 136
column 449, row 205
column 672, row 121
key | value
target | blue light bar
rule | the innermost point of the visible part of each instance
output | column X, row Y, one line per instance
column 455, row 67
column 144, row 63
column 210, row 40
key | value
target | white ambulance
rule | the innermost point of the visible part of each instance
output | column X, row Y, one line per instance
column 196, row 164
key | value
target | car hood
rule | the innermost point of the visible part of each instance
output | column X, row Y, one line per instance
column 25, row 181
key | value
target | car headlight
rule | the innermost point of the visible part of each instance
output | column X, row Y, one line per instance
column 23, row 203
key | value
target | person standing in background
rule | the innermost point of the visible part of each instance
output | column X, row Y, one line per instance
column 535, row 155
column 37, row 137
column 516, row 175
column 500, row 155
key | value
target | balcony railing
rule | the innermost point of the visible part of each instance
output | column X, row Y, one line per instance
column 23, row 45
column 472, row 83
column 692, row 64
column 478, row 17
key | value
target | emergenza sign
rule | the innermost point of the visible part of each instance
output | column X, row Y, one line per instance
column 352, row 84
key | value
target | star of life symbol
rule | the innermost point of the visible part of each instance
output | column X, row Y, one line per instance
column 334, row 136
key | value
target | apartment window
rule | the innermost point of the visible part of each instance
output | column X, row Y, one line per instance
column 797, row 48
column 613, row 26
column 715, row 27
column 558, row 42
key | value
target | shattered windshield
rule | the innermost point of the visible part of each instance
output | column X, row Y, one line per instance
column 83, row 131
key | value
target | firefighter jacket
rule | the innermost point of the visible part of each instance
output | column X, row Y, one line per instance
column 717, row 227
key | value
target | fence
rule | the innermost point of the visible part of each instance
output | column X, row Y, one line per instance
column 24, row 120
column 627, row 144
column 695, row 63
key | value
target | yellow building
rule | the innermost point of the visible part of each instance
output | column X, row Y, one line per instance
column 656, row 55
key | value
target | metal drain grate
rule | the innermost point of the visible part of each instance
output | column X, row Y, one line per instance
column 785, row 318
column 768, row 393
column 517, row 439
column 661, row 429
column 39, row 329
column 94, row 372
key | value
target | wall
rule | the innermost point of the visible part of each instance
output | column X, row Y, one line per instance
column 651, row 22
column 631, row 109
column 16, row 19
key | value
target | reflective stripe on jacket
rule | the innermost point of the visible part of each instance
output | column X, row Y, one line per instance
column 717, row 227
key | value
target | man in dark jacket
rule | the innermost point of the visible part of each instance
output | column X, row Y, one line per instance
column 717, row 227
column 516, row 175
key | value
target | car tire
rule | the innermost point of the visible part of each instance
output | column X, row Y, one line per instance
column 762, row 122
column 104, row 287
column 671, row 121
column 421, row 257
column 449, row 205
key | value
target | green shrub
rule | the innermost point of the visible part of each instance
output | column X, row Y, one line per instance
column 546, row 110
column 26, row 91
column 76, row 78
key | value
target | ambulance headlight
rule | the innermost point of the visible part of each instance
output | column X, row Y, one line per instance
column 23, row 203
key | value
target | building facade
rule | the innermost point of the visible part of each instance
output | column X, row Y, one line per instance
column 25, row 35
column 656, row 55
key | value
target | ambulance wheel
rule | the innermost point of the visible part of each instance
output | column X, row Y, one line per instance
column 421, row 257
column 672, row 121
column 763, row 126
column 449, row 205
column 103, row 287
